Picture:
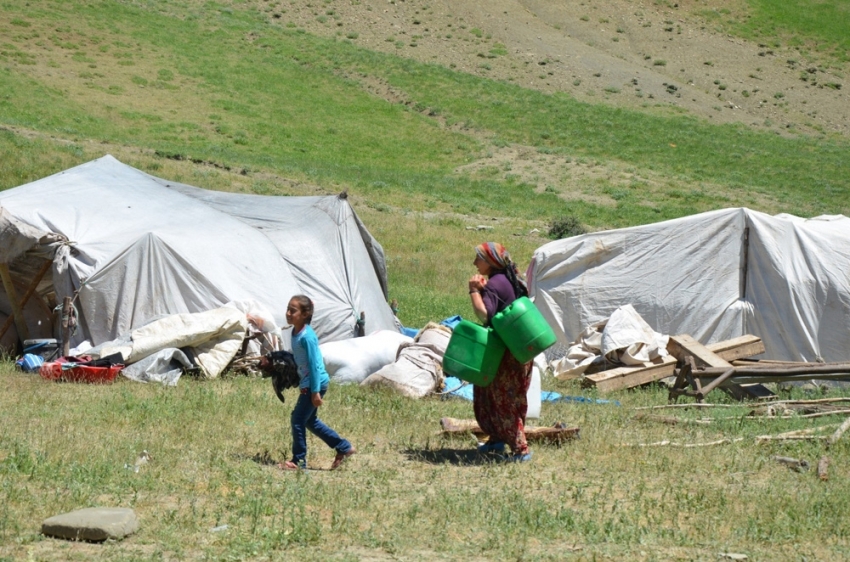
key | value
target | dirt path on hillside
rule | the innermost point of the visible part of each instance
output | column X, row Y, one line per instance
column 655, row 57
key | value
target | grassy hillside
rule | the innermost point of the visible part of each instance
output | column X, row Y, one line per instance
column 263, row 107
column 239, row 96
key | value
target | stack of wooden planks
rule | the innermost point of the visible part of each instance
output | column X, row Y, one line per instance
column 679, row 347
column 727, row 365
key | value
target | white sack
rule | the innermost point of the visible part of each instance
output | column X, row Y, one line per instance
column 352, row 360
column 629, row 340
column 625, row 338
column 418, row 370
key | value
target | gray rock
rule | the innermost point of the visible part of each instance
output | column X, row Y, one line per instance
column 92, row 524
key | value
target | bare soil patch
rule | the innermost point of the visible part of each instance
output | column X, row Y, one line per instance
column 653, row 56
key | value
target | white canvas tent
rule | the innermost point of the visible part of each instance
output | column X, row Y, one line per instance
column 714, row 275
column 137, row 247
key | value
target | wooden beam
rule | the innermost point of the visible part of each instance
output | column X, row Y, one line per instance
column 17, row 310
column 631, row 376
column 30, row 290
column 555, row 434
column 771, row 371
column 68, row 322
column 683, row 345
column 738, row 348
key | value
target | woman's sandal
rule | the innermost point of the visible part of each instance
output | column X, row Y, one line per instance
column 288, row 465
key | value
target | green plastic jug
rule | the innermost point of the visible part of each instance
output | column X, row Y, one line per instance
column 473, row 354
column 524, row 330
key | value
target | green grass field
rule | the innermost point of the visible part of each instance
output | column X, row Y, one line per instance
column 221, row 96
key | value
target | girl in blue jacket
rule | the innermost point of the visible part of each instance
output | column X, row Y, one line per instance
column 314, row 384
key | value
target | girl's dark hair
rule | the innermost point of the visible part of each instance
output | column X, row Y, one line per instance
column 305, row 305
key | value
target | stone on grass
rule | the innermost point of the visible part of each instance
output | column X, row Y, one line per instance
column 92, row 524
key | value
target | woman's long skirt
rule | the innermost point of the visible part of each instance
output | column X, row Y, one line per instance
column 500, row 408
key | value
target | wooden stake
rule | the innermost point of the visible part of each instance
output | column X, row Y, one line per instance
column 17, row 310
column 66, row 326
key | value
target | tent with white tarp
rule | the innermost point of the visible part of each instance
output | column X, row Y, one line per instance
column 137, row 248
column 715, row 276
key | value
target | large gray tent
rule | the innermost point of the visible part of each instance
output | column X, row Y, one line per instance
column 715, row 276
column 137, row 247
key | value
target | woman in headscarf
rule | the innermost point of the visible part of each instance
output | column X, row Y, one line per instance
column 500, row 407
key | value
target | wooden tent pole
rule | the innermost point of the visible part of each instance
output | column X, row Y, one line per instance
column 17, row 311
column 66, row 326
column 27, row 295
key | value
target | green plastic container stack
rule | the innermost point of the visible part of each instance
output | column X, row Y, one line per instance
column 524, row 330
column 473, row 354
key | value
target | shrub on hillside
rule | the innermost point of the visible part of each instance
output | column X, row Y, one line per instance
column 564, row 227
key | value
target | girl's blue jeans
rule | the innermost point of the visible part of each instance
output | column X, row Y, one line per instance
column 304, row 416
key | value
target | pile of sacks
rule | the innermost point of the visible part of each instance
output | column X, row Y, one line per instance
column 411, row 366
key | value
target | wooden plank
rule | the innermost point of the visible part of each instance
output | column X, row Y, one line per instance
column 683, row 345
column 625, row 370
column 628, row 377
column 738, row 348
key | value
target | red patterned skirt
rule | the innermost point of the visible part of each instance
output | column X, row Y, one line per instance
column 500, row 408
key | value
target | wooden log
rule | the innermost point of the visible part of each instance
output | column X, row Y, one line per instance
column 715, row 383
column 66, row 326
column 815, row 401
column 811, row 368
column 29, row 292
column 800, row 465
column 17, row 308
column 823, row 467
column 555, row 434
column 766, row 438
column 838, row 433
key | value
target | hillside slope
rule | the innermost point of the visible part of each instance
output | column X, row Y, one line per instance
column 659, row 56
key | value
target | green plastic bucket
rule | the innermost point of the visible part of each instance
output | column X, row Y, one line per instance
column 524, row 330
column 473, row 354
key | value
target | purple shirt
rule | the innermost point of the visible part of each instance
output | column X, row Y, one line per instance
column 497, row 294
